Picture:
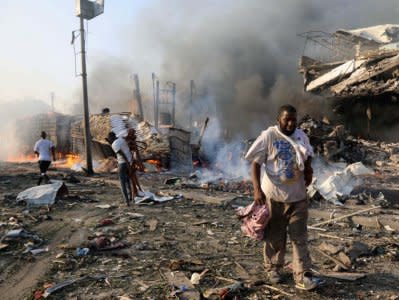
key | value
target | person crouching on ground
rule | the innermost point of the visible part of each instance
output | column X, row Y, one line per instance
column 285, row 154
column 125, row 159
column 43, row 149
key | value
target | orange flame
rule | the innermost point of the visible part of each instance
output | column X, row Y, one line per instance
column 70, row 160
column 155, row 162
column 20, row 158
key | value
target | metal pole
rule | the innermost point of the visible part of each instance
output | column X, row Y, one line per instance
column 191, row 104
column 157, row 105
column 85, row 101
column 153, row 95
column 174, row 104
column 138, row 96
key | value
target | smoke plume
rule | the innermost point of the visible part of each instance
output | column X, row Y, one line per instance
column 13, row 112
column 242, row 55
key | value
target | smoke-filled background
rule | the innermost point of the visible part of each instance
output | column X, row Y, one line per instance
column 242, row 55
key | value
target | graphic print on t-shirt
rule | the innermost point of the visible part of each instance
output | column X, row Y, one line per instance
column 287, row 168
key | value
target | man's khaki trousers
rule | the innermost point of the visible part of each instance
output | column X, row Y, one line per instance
column 291, row 218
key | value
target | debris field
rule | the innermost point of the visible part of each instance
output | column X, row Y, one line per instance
column 187, row 245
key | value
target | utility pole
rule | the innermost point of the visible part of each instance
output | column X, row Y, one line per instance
column 89, row 161
column 157, row 104
column 138, row 96
column 191, row 104
column 154, row 96
column 174, row 103
column 86, row 9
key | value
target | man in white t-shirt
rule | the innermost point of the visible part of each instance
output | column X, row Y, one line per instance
column 125, row 159
column 43, row 149
column 284, row 153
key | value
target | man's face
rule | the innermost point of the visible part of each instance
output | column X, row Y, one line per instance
column 287, row 122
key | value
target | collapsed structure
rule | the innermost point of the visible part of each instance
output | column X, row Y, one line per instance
column 358, row 68
column 361, row 62
column 166, row 146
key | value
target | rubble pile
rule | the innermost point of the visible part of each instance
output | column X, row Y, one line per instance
column 212, row 180
column 368, row 65
column 156, row 144
column 152, row 144
column 100, row 126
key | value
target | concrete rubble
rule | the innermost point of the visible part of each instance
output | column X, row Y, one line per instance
column 369, row 63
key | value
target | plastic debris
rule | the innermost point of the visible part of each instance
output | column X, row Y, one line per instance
column 335, row 180
column 43, row 194
column 22, row 234
column 82, row 252
column 38, row 251
column 69, row 282
column 151, row 197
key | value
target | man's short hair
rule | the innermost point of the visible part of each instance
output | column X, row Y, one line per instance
column 105, row 110
column 286, row 108
column 43, row 134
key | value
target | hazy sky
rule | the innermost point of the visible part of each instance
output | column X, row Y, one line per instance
column 238, row 49
column 36, row 56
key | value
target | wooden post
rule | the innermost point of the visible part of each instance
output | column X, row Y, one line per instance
column 154, row 96
column 174, row 104
column 191, row 105
column 138, row 97
column 157, row 105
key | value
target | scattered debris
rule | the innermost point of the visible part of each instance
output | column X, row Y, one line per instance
column 82, row 252
column 59, row 286
column 226, row 292
column 342, row 275
column 345, row 216
column 104, row 206
column 197, row 277
column 43, row 194
column 153, row 198
column 332, row 181
column 178, row 280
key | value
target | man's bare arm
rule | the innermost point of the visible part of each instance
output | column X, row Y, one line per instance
column 259, row 196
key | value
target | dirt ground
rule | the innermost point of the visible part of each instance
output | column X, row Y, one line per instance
column 164, row 241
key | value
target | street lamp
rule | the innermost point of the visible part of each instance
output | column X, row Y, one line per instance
column 86, row 9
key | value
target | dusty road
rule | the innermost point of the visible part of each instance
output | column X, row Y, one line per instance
column 194, row 233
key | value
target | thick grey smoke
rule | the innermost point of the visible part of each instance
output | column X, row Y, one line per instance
column 242, row 55
column 11, row 113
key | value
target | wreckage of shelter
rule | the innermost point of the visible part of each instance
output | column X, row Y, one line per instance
column 359, row 63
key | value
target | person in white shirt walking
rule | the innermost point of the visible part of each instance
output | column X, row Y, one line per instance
column 125, row 159
column 43, row 149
